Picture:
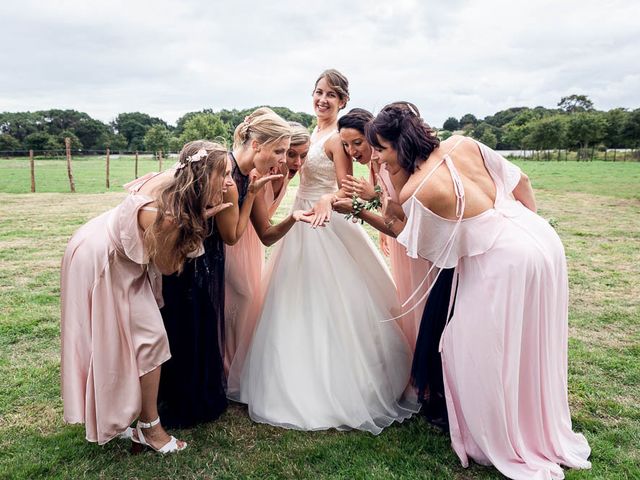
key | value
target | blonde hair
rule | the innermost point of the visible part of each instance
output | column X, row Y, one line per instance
column 262, row 125
column 299, row 134
column 184, row 200
column 337, row 82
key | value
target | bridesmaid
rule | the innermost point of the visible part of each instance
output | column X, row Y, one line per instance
column 246, row 260
column 113, row 340
column 504, row 349
column 193, row 385
column 407, row 272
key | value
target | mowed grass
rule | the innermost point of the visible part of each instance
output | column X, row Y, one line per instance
column 597, row 212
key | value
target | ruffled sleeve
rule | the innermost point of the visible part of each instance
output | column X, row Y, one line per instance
column 128, row 230
column 502, row 170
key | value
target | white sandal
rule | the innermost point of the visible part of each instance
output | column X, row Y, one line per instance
column 170, row 447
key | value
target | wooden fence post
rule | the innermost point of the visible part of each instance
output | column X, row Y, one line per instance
column 67, row 146
column 33, row 171
column 136, row 168
column 159, row 155
column 108, row 158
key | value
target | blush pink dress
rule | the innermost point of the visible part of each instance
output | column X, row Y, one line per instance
column 111, row 329
column 243, row 296
column 407, row 274
column 504, row 351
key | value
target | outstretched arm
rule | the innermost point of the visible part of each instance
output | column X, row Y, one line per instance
column 268, row 233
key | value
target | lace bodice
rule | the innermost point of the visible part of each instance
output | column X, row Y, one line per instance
column 318, row 174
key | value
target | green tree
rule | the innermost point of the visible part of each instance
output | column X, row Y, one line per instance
column 576, row 103
column 133, row 126
column 489, row 138
column 468, row 119
column 631, row 129
column 615, row 118
column 115, row 142
column 444, row 134
column 42, row 141
column 547, row 133
column 9, row 143
column 157, row 139
column 452, row 124
column 76, row 144
column 207, row 126
column 585, row 129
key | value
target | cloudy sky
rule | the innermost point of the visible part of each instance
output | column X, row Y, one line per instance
column 169, row 57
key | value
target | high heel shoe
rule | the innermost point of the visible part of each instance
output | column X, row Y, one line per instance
column 170, row 447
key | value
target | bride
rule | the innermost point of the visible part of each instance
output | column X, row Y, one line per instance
column 321, row 357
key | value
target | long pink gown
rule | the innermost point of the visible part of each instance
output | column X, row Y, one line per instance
column 111, row 328
column 243, row 296
column 407, row 274
column 504, row 351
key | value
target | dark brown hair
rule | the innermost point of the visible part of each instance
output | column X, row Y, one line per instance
column 400, row 124
column 356, row 118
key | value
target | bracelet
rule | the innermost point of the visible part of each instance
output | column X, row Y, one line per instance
column 357, row 206
column 389, row 223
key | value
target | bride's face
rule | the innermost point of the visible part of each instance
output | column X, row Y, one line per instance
column 326, row 101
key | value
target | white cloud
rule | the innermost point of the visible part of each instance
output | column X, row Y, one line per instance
column 169, row 57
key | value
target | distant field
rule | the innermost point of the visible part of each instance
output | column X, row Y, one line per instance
column 596, row 208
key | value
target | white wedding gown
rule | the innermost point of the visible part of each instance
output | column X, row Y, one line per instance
column 321, row 357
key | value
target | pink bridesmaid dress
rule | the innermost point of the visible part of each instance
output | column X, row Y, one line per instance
column 407, row 274
column 504, row 351
column 243, row 296
column 111, row 328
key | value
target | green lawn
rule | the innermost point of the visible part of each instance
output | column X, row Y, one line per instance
column 597, row 212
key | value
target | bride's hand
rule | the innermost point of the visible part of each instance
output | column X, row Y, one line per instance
column 322, row 210
column 256, row 182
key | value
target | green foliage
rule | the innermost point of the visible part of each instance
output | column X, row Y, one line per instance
column 157, row 139
column 133, row 126
column 42, row 141
column 8, row 143
column 585, row 128
column 452, row 124
column 576, row 103
column 468, row 119
column 76, row 144
column 444, row 134
column 489, row 138
column 546, row 133
column 205, row 126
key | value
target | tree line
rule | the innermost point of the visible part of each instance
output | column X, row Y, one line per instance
column 45, row 130
column 575, row 124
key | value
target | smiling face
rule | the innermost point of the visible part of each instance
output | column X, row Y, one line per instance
column 326, row 101
column 356, row 145
column 269, row 156
column 386, row 154
column 296, row 155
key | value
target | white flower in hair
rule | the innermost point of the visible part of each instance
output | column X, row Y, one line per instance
column 196, row 157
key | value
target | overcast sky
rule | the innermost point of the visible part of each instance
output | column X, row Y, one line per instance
column 166, row 58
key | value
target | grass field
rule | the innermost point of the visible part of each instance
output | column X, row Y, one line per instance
column 596, row 208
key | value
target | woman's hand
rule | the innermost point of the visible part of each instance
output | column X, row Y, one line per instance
column 359, row 187
column 256, row 182
column 343, row 205
column 384, row 245
column 213, row 211
column 303, row 216
column 322, row 210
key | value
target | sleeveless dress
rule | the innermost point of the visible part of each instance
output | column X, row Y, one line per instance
column 111, row 328
column 321, row 357
column 504, row 351
column 244, row 292
column 192, row 384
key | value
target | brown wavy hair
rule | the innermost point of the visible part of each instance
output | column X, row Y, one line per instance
column 183, row 201
column 338, row 82
column 400, row 124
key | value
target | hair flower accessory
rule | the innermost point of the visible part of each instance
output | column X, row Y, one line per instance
column 199, row 155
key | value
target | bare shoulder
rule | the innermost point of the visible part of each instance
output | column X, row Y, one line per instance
column 333, row 145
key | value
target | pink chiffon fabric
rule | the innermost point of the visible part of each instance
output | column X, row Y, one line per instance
column 407, row 274
column 244, row 265
column 504, row 351
column 111, row 328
